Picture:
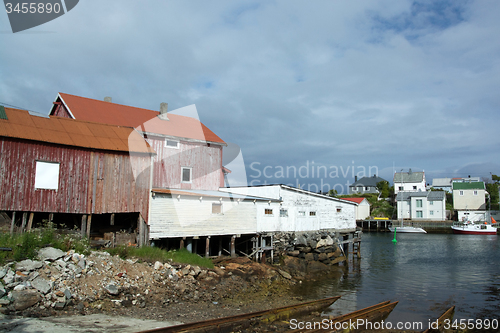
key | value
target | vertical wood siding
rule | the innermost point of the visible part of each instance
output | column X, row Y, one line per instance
column 90, row 182
column 205, row 161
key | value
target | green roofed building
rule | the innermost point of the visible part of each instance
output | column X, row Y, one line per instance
column 469, row 196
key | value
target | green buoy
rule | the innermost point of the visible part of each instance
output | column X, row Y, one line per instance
column 394, row 240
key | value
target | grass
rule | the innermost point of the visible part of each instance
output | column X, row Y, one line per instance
column 152, row 254
column 26, row 245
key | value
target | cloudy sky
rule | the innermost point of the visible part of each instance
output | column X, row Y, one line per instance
column 380, row 85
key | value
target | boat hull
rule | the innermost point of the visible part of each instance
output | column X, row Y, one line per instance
column 470, row 231
column 408, row 230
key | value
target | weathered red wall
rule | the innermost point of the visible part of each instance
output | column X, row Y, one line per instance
column 206, row 161
column 90, row 182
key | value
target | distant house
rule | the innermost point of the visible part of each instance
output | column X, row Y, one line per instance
column 423, row 205
column 84, row 170
column 442, row 184
column 362, row 208
column 469, row 196
column 409, row 181
column 365, row 185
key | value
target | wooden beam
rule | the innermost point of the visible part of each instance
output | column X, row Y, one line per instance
column 30, row 221
column 23, row 223
column 89, row 224
column 207, row 247
column 12, row 223
column 83, row 228
column 233, row 246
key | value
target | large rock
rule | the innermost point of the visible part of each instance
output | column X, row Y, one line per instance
column 50, row 253
column 28, row 265
column 24, row 299
column 112, row 289
column 41, row 285
column 328, row 241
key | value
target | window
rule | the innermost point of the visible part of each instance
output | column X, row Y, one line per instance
column 400, row 188
column 419, row 202
column 312, row 213
column 172, row 144
column 420, row 213
column 461, row 193
column 431, row 203
column 186, row 174
column 431, row 212
column 414, row 187
column 47, row 175
column 302, row 213
column 216, row 208
column 475, row 192
column 283, row 212
column 339, row 209
column 366, row 188
column 268, row 211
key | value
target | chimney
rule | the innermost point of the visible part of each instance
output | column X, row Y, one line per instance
column 107, row 99
column 163, row 111
column 355, row 178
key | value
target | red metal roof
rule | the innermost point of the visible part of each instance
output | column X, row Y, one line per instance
column 356, row 200
column 142, row 119
column 20, row 124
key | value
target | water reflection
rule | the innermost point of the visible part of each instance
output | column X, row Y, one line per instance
column 425, row 273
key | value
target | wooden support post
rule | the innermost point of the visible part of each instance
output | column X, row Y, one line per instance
column 207, row 247
column 359, row 250
column 142, row 231
column 25, row 219
column 233, row 246
column 30, row 222
column 83, row 228
column 112, row 219
column 182, row 243
column 89, row 224
column 220, row 246
column 51, row 217
column 13, row 222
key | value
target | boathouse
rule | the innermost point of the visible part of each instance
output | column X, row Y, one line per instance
column 92, row 176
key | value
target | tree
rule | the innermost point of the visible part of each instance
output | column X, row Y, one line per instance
column 332, row 193
column 384, row 189
column 492, row 189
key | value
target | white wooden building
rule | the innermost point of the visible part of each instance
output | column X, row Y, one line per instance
column 422, row 205
column 302, row 210
column 409, row 181
column 362, row 207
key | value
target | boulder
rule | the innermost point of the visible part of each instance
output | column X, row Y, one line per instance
column 112, row 289
column 50, row 253
column 24, row 299
column 328, row 241
column 28, row 265
column 41, row 285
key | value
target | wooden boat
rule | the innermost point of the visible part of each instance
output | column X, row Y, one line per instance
column 446, row 316
column 234, row 323
column 345, row 323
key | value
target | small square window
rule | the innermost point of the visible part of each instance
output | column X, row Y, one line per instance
column 312, row 213
column 186, row 174
column 431, row 212
column 414, row 187
column 339, row 209
column 400, row 188
column 268, row 211
column 47, row 175
column 283, row 212
column 172, row 144
column 461, row 193
column 431, row 203
column 216, row 208
column 302, row 213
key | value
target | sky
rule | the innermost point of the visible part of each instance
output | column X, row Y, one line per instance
column 335, row 88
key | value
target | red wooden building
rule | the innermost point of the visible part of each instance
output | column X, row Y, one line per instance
column 60, row 166
column 189, row 155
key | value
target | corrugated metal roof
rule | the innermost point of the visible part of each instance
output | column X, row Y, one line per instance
column 468, row 186
column 441, row 182
column 356, row 200
column 368, row 181
column 142, row 119
column 21, row 125
column 212, row 194
column 431, row 195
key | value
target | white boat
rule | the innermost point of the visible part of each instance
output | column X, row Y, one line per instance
column 471, row 228
column 407, row 229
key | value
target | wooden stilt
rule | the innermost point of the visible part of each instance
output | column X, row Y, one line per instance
column 30, row 222
column 207, row 247
column 89, row 224
column 13, row 222
column 182, row 243
column 83, row 228
column 112, row 219
column 233, row 246
column 220, row 246
column 140, row 225
column 24, row 220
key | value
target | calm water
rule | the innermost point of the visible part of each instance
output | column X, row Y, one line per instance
column 426, row 273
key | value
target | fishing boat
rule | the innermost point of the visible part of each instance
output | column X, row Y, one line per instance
column 471, row 228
